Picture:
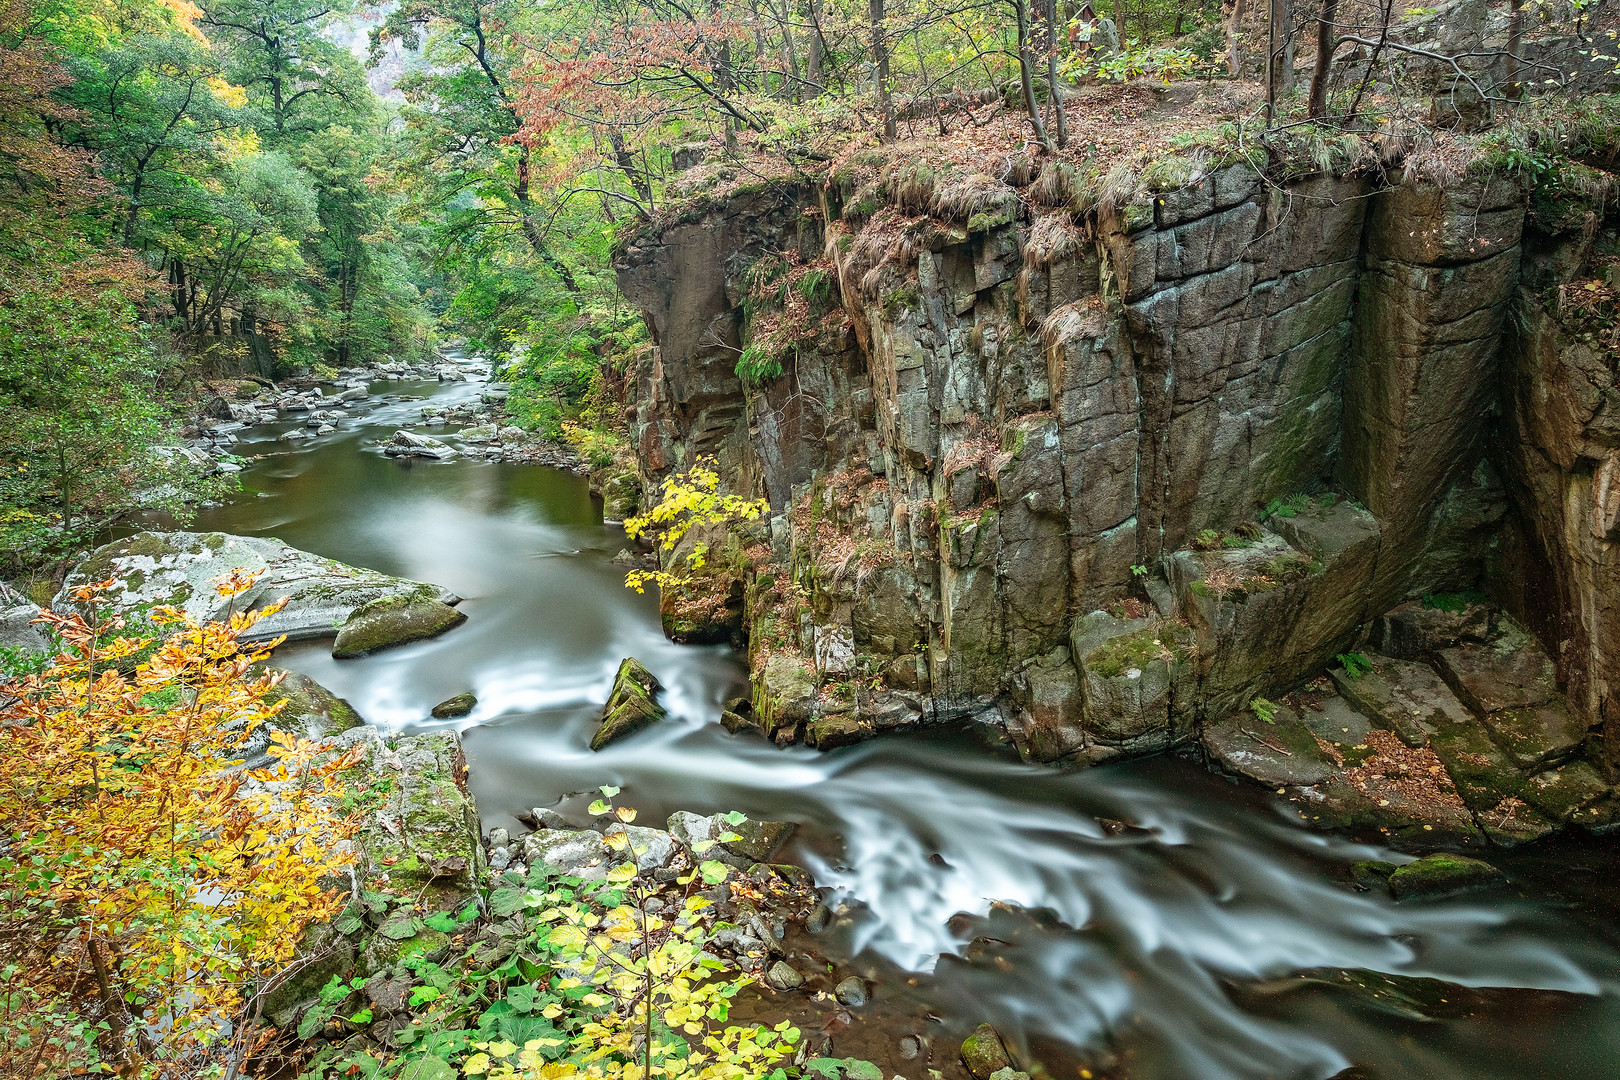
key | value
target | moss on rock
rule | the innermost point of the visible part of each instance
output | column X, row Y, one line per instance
column 394, row 620
column 632, row 705
column 1435, row 876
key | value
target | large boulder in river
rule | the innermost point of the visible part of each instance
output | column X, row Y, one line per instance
column 632, row 705
column 394, row 620
column 410, row 444
column 181, row 569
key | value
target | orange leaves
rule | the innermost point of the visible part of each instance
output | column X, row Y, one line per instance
column 189, row 878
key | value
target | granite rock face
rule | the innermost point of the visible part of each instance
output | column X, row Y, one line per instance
column 1104, row 476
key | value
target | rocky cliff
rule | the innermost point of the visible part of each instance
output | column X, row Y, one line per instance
column 1105, row 466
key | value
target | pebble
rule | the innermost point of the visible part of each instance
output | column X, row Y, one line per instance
column 818, row 919
column 851, row 992
column 911, row 1047
column 781, row 976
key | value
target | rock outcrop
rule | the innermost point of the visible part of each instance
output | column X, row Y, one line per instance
column 1103, row 472
column 181, row 570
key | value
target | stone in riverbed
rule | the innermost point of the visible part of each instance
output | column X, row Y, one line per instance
column 458, row 706
column 1436, row 876
column 1402, row 696
column 394, row 620
column 181, row 569
column 410, row 444
column 851, row 992
column 782, row 977
column 756, row 841
column 983, row 1053
column 632, row 705
column 577, row 853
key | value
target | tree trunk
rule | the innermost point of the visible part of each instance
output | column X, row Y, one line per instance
column 1325, row 29
column 1234, row 52
column 1059, row 120
column 880, row 67
column 815, row 60
column 1025, row 76
column 1515, row 39
column 1280, row 72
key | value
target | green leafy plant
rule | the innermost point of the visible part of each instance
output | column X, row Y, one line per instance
column 1265, row 710
column 1355, row 664
column 1138, row 570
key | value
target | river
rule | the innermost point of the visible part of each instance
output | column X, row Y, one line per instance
column 1201, row 943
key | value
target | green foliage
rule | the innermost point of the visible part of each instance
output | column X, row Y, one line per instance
column 1355, row 664
column 1265, row 711
column 755, row 367
column 690, row 500
column 565, row 977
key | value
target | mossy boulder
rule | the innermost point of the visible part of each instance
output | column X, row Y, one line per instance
column 311, row 710
column 424, row 837
column 386, row 951
column 328, row 953
column 1436, row 876
column 181, row 569
column 458, row 706
column 632, row 706
column 1282, row 753
column 1137, row 680
column 394, row 620
column 984, row 1054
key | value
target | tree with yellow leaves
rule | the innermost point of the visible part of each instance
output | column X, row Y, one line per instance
column 152, row 889
column 690, row 500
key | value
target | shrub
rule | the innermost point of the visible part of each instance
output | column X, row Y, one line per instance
column 149, row 888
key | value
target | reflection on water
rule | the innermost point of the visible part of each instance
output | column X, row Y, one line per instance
column 1171, row 936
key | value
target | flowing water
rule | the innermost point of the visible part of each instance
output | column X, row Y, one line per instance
column 1196, row 938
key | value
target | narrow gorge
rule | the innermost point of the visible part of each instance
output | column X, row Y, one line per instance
column 1105, row 474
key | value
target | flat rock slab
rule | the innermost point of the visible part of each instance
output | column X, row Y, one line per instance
column 1402, row 696
column 1512, row 673
column 755, row 841
column 577, row 853
column 1538, row 734
column 1336, row 722
column 1280, row 754
column 181, row 569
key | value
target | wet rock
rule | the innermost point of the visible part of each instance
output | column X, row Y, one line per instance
column 410, row 444
column 394, row 620
column 835, row 730
column 311, row 712
column 385, row 951
column 329, row 953
column 818, row 919
column 755, row 841
column 458, row 706
column 1436, row 876
column 651, row 848
column 851, row 992
column 782, row 976
column 543, row 817
column 984, row 1054
column 1537, row 735
column 911, row 1047
column 1280, row 754
column 499, row 837
column 181, row 569
column 632, row 705
column 574, row 852
column 1009, row 1073
column 1372, row 873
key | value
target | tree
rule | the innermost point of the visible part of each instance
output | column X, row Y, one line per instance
column 275, row 51
column 150, row 890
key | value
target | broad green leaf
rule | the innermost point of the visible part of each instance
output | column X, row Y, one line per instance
column 622, row 872
column 608, row 790
column 736, row 817
column 713, row 872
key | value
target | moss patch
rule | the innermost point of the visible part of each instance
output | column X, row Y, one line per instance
column 393, row 620
column 1435, row 876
